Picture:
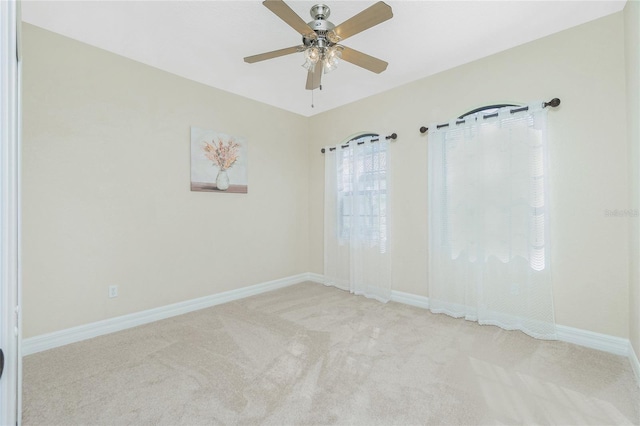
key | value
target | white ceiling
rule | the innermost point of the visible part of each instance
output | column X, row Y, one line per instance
column 206, row 41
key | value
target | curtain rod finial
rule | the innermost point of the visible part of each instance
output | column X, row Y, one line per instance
column 553, row 103
column 393, row 136
column 423, row 129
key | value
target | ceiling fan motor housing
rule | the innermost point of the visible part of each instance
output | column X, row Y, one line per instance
column 320, row 25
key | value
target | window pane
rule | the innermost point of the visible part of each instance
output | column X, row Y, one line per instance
column 362, row 187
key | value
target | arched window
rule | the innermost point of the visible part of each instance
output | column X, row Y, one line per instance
column 356, row 216
column 362, row 176
column 488, row 217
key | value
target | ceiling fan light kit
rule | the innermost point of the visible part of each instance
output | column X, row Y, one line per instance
column 320, row 39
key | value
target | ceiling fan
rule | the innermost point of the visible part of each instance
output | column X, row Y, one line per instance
column 321, row 38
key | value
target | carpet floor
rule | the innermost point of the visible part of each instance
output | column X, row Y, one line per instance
column 314, row 355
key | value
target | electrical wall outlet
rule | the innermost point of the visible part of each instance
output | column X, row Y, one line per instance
column 113, row 291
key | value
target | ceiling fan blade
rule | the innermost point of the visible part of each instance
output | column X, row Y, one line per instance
column 284, row 12
column 272, row 54
column 314, row 78
column 366, row 19
column 363, row 60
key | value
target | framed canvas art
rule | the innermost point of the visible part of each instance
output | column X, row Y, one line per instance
column 218, row 162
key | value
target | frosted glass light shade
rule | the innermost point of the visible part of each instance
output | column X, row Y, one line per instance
column 311, row 56
column 332, row 59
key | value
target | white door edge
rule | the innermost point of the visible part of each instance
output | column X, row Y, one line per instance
column 9, row 212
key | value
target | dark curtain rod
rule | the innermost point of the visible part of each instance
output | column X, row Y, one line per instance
column 391, row 136
column 552, row 103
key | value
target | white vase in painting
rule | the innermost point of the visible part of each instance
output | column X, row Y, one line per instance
column 222, row 180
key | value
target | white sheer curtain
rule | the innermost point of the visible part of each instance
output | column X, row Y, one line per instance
column 488, row 221
column 357, row 217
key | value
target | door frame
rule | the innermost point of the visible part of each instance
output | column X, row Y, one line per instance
column 10, row 135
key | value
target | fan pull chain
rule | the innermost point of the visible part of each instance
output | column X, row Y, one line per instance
column 312, row 90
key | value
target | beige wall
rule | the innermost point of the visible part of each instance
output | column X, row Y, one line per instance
column 106, row 196
column 632, row 50
column 584, row 67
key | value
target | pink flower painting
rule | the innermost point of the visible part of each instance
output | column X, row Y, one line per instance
column 218, row 162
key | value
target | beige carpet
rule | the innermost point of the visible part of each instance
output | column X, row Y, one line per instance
column 310, row 354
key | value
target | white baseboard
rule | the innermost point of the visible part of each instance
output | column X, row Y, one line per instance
column 76, row 334
column 590, row 339
column 316, row 278
column 635, row 364
column 410, row 299
column 603, row 342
